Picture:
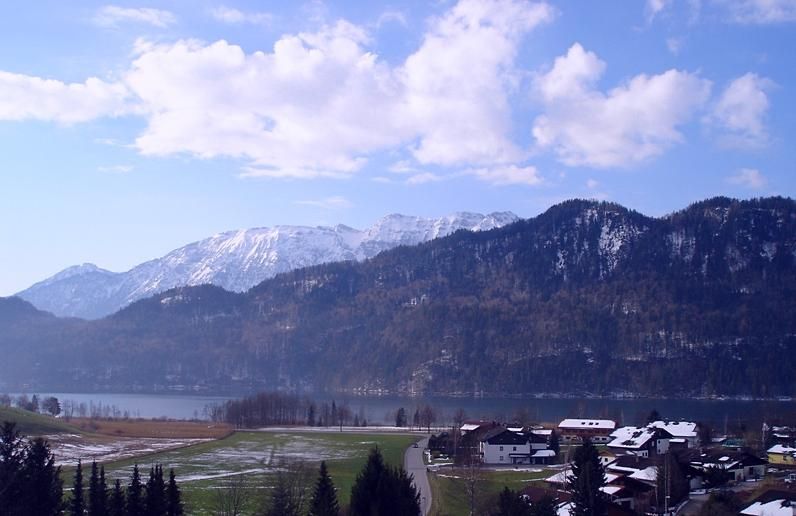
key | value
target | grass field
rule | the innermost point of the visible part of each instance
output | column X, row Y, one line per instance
column 450, row 492
column 154, row 428
column 255, row 457
column 30, row 423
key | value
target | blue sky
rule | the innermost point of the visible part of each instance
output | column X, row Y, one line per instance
column 130, row 129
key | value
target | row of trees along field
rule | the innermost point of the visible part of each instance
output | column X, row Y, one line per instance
column 276, row 408
column 31, row 485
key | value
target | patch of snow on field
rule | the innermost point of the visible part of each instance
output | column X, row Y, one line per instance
column 68, row 448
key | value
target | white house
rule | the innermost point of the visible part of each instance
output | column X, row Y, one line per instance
column 596, row 430
column 680, row 430
column 503, row 446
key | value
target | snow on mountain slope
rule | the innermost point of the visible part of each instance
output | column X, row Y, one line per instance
column 238, row 260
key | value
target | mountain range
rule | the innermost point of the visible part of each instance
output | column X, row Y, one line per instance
column 238, row 260
column 588, row 298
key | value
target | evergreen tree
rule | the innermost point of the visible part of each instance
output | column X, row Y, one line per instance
column 555, row 444
column 103, row 489
column 510, row 504
column 383, row 491
column 78, row 506
column 97, row 495
column 588, row 476
column 43, row 490
column 11, row 456
column 546, row 506
column 155, row 501
column 173, row 502
column 118, row 505
column 324, row 498
column 281, row 500
column 653, row 416
column 671, row 485
column 400, row 418
column 135, row 501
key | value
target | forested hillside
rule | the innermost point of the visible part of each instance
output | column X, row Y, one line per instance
column 587, row 297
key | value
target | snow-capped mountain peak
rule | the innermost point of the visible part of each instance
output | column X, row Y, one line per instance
column 239, row 259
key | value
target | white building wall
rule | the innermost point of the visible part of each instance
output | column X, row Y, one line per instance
column 493, row 454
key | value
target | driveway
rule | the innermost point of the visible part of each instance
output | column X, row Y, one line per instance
column 414, row 465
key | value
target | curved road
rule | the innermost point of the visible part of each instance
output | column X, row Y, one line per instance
column 414, row 465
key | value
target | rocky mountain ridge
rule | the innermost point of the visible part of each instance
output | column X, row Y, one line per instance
column 238, row 260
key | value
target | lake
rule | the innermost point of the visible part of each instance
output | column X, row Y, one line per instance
column 381, row 409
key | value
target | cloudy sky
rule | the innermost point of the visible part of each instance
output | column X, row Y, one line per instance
column 127, row 130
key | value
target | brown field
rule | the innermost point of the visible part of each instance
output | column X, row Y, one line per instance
column 157, row 428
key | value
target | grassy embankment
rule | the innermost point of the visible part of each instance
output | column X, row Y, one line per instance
column 30, row 423
column 450, row 491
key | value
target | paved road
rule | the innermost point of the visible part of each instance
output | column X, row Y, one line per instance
column 413, row 464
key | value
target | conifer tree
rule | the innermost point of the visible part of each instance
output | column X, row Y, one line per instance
column 546, row 506
column 97, row 495
column 43, row 491
column 510, row 504
column 135, row 501
column 324, row 498
column 384, row 491
column 118, row 505
column 155, row 502
column 78, row 506
column 588, row 476
column 11, row 455
column 281, row 502
column 173, row 502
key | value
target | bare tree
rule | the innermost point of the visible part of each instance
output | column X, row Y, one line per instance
column 233, row 499
column 473, row 483
column 294, row 481
column 428, row 417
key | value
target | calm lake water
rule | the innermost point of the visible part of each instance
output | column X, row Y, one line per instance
column 381, row 409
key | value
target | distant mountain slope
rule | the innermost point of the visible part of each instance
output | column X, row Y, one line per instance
column 586, row 298
column 238, row 260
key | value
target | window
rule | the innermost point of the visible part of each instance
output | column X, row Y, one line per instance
column 501, row 458
column 514, row 448
column 501, row 449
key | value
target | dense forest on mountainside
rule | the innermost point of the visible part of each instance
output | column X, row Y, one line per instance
column 587, row 297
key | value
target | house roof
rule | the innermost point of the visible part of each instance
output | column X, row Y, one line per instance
column 631, row 437
column 578, row 424
column 684, row 429
column 544, row 453
column 772, row 508
column 504, row 436
column 784, row 450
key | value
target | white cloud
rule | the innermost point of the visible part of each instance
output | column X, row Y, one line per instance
column 391, row 16
column 740, row 112
column 629, row 124
column 423, row 178
column 329, row 203
column 654, row 7
column 402, row 167
column 115, row 169
column 591, row 184
column 23, row 97
column 113, row 15
column 675, row 45
column 759, row 11
column 317, row 104
column 508, row 175
column 234, row 16
column 458, row 82
column 748, row 178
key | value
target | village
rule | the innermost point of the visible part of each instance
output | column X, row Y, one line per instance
column 663, row 467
